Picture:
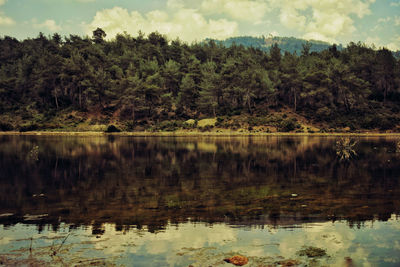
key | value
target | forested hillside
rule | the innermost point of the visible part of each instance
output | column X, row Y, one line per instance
column 150, row 83
column 286, row 44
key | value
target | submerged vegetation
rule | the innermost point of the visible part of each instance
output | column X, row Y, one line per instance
column 151, row 83
column 312, row 252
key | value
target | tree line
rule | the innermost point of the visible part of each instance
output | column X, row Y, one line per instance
column 154, row 79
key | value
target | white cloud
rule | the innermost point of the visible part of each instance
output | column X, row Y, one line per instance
column 323, row 20
column 175, row 4
column 274, row 33
column 6, row 21
column 384, row 20
column 318, row 36
column 328, row 20
column 376, row 41
column 393, row 44
column 396, row 21
column 248, row 10
column 48, row 25
column 290, row 18
column 187, row 24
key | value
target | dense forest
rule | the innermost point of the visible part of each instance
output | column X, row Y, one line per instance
column 152, row 83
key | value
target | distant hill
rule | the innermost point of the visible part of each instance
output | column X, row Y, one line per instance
column 286, row 44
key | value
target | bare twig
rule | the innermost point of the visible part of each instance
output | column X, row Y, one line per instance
column 30, row 247
column 62, row 243
column 55, row 251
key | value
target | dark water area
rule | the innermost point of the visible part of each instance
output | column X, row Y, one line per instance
column 266, row 197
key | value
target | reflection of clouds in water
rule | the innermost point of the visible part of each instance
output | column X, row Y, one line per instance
column 168, row 242
column 375, row 243
column 336, row 238
column 325, row 235
column 256, row 248
column 5, row 240
column 361, row 255
column 172, row 239
column 20, row 232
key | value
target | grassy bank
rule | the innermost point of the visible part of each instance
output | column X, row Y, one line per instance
column 277, row 123
column 189, row 133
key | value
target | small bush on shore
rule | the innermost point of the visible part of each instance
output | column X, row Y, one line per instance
column 29, row 127
column 112, row 129
column 5, row 126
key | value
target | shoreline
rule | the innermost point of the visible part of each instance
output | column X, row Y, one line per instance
column 183, row 134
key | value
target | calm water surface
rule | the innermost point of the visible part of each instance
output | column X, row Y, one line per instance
column 180, row 201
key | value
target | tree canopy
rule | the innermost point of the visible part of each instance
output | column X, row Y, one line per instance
column 152, row 78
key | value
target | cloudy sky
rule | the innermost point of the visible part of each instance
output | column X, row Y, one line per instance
column 339, row 21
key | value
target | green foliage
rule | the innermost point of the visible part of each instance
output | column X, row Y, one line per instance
column 5, row 126
column 139, row 79
column 170, row 126
column 29, row 127
column 323, row 113
column 258, row 121
column 288, row 125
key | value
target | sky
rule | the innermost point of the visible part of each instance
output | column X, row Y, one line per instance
column 336, row 21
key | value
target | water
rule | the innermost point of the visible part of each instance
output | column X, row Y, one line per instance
column 165, row 201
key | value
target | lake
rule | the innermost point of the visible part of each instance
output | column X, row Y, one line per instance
column 180, row 201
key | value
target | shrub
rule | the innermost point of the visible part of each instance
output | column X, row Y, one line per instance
column 323, row 113
column 189, row 124
column 235, row 112
column 130, row 125
column 170, row 126
column 5, row 126
column 385, row 124
column 219, row 122
column 257, row 121
column 234, row 125
column 112, row 129
column 206, row 128
column 207, row 122
column 29, row 127
column 287, row 125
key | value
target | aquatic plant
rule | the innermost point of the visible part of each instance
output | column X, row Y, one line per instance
column 34, row 153
column 312, row 252
column 345, row 148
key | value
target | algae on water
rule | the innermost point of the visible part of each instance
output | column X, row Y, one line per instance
column 312, row 252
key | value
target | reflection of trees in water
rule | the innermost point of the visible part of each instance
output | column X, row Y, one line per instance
column 149, row 181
